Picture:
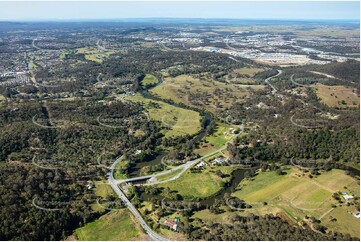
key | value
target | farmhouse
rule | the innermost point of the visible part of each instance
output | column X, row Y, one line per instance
column 347, row 197
column 171, row 224
column 218, row 161
column 201, row 164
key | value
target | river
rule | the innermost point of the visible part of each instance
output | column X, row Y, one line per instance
column 136, row 168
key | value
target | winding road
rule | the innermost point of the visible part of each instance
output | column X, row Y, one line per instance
column 274, row 90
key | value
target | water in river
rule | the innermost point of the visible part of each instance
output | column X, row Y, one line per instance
column 237, row 177
column 135, row 170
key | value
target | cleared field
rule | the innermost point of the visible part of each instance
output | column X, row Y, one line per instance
column 297, row 195
column 176, row 121
column 216, row 140
column 119, row 167
column 149, row 80
column 248, row 71
column 64, row 53
column 168, row 176
column 103, row 190
column 196, row 185
column 205, row 93
column 116, row 225
column 243, row 75
column 94, row 54
column 337, row 96
column 345, row 221
column 207, row 216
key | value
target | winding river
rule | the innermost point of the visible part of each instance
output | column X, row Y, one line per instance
column 136, row 168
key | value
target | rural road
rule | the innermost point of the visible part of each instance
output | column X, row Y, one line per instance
column 274, row 90
column 296, row 83
column 183, row 167
column 114, row 184
column 153, row 235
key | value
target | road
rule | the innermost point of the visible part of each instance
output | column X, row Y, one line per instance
column 296, row 83
column 274, row 90
column 227, row 44
column 114, row 184
column 153, row 235
column 184, row 168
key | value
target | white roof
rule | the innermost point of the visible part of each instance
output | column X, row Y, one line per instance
column 347, row 197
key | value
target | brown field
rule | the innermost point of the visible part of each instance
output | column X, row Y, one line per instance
column 243, row 75
column 335, row 95
column 205, row 93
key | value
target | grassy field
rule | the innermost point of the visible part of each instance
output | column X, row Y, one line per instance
column 93, row 54
column 248, row 71
column 196, row 185
column 170, row 175
column 243, row 75
column 297, row 195
column 118, row 168
column 176, row 121
column 149, row 80
column 346, row 222
column 207, row 216
column 335, row 95
column 115, row 225
column 103, row 190
column 216, row 140
column 64, row 53
column 208, row 94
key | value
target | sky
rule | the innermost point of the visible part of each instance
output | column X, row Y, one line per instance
column 51, row 10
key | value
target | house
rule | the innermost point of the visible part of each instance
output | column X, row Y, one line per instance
column 218, row 161
column 356, row 214
column 89, row 185
column 137, row 152
column 347, row 197
column 171, row 224
column 201, row 164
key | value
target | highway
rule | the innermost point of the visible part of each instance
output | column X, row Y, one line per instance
column 114, row 184
column 274, row 90
column 153, row 235
column 184, row 168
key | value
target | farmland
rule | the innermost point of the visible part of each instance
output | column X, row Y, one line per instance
column 243, row 75
column 216, row 140
column 116, row 225
column 94, row 54
column 203, row 184
column 175, row 121
column 297, row 195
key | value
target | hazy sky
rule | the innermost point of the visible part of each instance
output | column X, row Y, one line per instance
column 243, row 10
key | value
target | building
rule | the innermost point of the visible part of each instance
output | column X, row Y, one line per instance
column 171, row 224
column 218, row 161
column 201, row 164
column 347, row 197
column 356, row 214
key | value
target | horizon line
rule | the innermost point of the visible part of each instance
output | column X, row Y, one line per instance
column 171, row 18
